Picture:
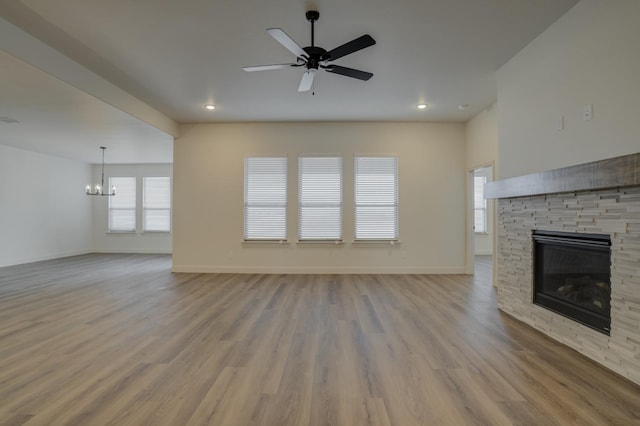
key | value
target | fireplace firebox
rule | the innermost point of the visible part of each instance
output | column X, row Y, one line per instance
column 572, row 276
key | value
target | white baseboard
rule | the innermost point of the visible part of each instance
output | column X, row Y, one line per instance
column 133, row 251
column 31, row 259
column 317, row 270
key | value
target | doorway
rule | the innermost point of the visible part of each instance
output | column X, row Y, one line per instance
column 481, row 218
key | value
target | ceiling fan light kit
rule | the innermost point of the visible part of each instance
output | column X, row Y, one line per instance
column 313, row 57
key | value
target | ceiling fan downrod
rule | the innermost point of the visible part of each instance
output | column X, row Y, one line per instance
column 312, row 16
column 314, row 54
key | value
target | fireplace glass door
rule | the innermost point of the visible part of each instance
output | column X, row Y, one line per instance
column 572, row 276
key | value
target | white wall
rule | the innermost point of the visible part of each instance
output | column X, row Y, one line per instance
column 134, row 242
column 208, row 197
column 44, row 212
column 589, row 56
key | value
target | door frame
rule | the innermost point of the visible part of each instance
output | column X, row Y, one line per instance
column 470, row 255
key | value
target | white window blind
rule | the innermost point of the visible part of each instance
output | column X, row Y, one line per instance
column 122, row 207
column 156, row 204
column 320, row 198
column 376, row 198
column 480, row 204
column 265, row 198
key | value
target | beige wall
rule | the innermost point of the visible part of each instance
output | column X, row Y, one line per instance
column 208, row 197
column 481, row 149
column 481, row 139
column 589, row 56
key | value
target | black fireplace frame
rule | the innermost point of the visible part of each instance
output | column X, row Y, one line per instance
column 595, row 242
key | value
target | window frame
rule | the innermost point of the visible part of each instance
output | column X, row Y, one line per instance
column 280, row 205
column 483, row 208
column 110, row 209
column 145, row 209
column 395, row 205
column 339, row 205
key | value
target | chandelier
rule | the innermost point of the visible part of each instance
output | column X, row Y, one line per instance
column 98, row 188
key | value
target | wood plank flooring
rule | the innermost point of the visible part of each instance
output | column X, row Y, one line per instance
column 120, row 340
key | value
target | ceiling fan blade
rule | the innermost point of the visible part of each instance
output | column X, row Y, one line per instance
column 282, row 38
column 268, row 67
column 349, row 72
column 350, row 47
column 307, row 80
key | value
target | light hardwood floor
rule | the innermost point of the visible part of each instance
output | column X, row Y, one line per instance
column 119, row 340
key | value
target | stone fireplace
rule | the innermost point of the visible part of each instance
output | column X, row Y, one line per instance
column 602, row 199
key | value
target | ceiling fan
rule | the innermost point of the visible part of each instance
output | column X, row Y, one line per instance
column 314, row 57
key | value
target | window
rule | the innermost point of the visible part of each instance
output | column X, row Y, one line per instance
column 156, row 204
column 265, row 198
column 320, row 198
column 479, row 205
column 122, row 207
column 376, row 198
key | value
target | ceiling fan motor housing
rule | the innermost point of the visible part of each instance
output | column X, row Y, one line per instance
column 316, row 55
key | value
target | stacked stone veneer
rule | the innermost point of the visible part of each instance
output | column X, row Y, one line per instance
column 615, row 212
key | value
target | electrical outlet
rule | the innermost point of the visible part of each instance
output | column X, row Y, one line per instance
column 587, row 112
column 560, row 123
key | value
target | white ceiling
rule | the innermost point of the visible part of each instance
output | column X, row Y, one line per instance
column 179, row 55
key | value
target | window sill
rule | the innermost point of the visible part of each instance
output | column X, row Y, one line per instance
column 156, row 232
column 121, row 232
column 364, row 243
column 320, row 243
column 265, row 242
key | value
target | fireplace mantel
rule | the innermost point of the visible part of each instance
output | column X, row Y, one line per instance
column 610, row 173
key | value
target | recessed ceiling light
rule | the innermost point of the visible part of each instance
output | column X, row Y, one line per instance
column 422, row 106
column 210, row 107
column 463, row 107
